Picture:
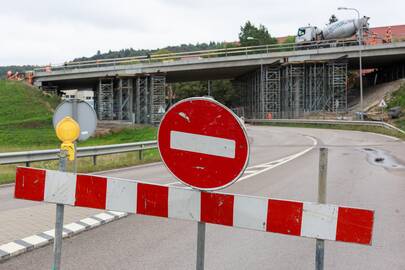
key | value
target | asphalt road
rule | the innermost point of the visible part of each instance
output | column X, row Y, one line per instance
column 355, row 179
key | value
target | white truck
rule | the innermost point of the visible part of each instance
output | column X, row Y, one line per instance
column 336, row 30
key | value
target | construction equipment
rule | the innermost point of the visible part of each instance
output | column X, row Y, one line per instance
column 335, row 30
column 14, row 76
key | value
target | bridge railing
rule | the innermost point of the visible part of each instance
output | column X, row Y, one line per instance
column 202, row 54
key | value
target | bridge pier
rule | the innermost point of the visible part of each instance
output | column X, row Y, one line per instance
column 138, row 99
column 293, row 90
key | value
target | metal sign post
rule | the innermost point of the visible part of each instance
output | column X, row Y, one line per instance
column 67, row 130
column 60, row 208
column 73, row 120
column 204, row 145
column 382, row 105
column 75, row 117
column 200, row 245
column 323, row 165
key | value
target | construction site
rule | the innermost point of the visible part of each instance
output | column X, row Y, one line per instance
column 293, row 90
column 280, row 81
column 139, row 100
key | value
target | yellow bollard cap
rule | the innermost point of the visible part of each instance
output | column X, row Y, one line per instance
column 67, row 130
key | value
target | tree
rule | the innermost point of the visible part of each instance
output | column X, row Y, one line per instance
column 289, row 39
column 221, row 90
column 250, row 35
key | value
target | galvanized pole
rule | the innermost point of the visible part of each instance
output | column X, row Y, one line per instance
column 57, row 244
column 323, row 165
column 360, row 33
column 75, row 116
column 200, row 245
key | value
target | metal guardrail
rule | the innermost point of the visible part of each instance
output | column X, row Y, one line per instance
column 90, row 151
column 328, row 122
column 169, row 57
column 93, row 151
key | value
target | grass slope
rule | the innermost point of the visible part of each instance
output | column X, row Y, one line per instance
column 25, row 117
column 26, row 124
column 26, row 121
column 398, row 99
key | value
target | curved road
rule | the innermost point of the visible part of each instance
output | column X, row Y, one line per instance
column 364, row 170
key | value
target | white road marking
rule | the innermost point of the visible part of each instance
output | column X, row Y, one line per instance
column 253, row 170
column 271, row 165
column 202, row 144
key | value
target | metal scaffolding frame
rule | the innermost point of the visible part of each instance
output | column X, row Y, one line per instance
column 157, row 97
column 143, row 94
column 123, row 99
column 316, row 87
column 293, row 85
column 337, row 75
column 271, row 91
column 139, row 100
column 293, row 89
column 104, row 104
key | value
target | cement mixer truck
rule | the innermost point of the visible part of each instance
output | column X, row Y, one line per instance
column 335, row 30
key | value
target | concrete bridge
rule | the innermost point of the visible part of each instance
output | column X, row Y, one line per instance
column 283, row 80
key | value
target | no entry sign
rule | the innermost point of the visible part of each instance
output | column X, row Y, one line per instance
column 203, row 143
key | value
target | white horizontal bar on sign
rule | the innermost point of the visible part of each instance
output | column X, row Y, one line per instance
column 202, row 144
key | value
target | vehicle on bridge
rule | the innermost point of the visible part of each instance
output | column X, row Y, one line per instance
column 335, row 30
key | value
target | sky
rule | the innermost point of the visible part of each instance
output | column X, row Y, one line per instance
column 54, row 31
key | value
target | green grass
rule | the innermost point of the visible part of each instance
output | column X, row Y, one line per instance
column 25, row 117
column 26, row 121
column 136, row 134
column 19, row 102
column 400, row 123
column 398, row 99
column 26, row 124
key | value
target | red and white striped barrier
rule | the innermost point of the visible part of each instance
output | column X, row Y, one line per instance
column 322, row 221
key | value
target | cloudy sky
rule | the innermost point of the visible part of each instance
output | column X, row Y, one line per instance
column 53, row 31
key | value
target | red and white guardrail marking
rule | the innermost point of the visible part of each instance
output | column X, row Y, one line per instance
column 322, row 221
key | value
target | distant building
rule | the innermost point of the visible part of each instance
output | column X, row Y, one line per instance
column 85, row 95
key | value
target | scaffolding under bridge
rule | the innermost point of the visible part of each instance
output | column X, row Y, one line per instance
column 138, row 99
column 293, row 90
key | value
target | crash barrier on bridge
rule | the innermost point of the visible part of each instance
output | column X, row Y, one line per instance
column 169, row 57
column 90, row 151
column 313, row 220
column 325, row 122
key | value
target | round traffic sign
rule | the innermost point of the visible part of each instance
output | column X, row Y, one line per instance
column 203, row 143
column 86, row 117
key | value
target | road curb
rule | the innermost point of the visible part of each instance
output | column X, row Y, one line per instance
column 7, row 185
column 35, row 241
